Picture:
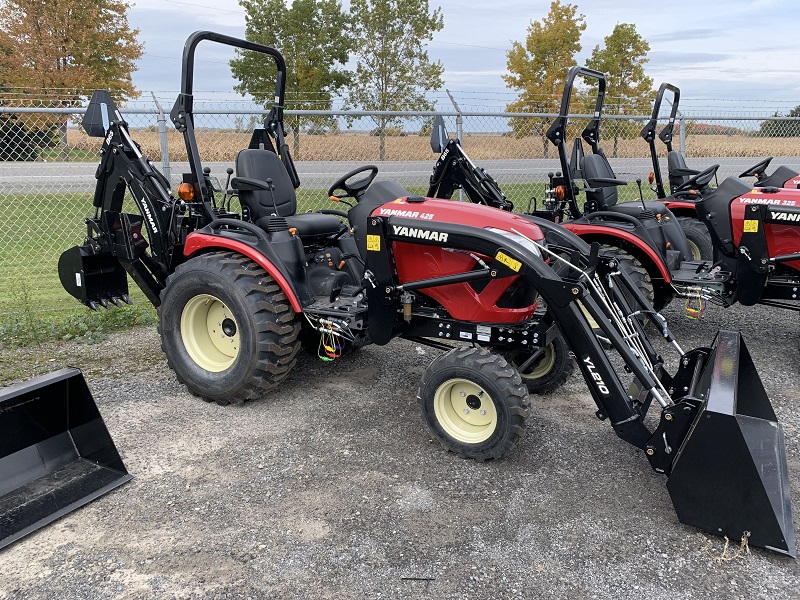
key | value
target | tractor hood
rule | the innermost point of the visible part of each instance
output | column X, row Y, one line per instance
column 431, row 210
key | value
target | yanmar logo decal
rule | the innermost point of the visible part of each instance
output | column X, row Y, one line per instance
column 785, row 216
column 420, row 234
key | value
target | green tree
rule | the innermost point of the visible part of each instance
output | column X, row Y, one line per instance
column 538, row 68
column 393, row 70
column 622, row 59
column 780, row 128
column 313, row 37
column 628, row 90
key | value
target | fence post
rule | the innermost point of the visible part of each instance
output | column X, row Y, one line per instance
column 682, row 135
column 459, row 133
column 162, row 136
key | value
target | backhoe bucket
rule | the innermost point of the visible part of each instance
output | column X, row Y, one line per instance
column 730, row 475
column 55, row 452
column 94, row 279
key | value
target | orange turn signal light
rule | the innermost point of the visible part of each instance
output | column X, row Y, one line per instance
column 559, row 192
column 186, row 192
column 652, row 177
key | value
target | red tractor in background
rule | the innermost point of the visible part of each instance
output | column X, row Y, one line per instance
column 753, row 262
column 686, row 184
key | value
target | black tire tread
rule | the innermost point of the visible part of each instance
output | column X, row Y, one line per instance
column 697, row 233
column 634, row 268
column 495, row 368
column 276, row 325
column 558, row 376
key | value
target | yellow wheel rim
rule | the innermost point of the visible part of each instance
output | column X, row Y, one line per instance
column 695, row 249
column 465, row 411
column 210, row 333
column 544, row 366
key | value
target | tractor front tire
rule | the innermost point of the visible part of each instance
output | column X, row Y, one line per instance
column 550, row 372
column 699, row 239
column 227, row 328
column 474, row 403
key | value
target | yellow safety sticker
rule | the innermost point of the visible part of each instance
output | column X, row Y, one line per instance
column 374, row 243
column 750, row 226
column 511, row 263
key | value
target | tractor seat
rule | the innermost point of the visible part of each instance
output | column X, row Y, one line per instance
column 597, row 166
column 260, row 165
column 679, row 173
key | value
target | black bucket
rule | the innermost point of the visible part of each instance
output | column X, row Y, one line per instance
column 55, row 452
column 93, row 278
column 730, row 474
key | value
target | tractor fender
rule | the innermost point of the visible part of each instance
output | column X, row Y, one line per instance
column 197, row 243
column 681, row 207
column 598, row 233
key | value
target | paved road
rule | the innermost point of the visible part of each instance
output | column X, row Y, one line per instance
column 75, row 177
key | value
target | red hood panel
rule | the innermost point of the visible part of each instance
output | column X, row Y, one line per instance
column 462, row 213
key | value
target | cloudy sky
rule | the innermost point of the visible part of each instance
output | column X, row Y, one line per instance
column 739, row 56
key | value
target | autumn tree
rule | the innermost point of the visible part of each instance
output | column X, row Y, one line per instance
column 59, row 51
column 393, row 71
column 313, row 37
column 62, row 50
column 539, row 67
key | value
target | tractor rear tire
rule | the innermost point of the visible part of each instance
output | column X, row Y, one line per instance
column 227, row 328
column 699, row 239
column 550, row 372
column 474, row 403
column 633, row 267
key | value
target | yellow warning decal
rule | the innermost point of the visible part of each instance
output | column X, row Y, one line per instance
column 511, row 263
column 750, row 226
column 374, row 243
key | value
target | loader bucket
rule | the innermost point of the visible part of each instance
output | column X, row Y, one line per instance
column 55, row 452
column 730, row 474
column 92, row 278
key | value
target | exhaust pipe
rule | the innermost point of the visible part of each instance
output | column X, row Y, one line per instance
column 730, row 474
column 55, row 452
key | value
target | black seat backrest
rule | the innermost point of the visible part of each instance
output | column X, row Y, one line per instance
column 675, row 161
column 594, row 166
column 263, row 165
column 781, row 175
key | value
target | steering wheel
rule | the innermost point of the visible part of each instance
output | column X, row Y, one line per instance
column 699, row 181
column 757, row 170
column 356, row 188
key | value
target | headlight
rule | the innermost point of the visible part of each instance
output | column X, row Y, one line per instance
column 522, row 241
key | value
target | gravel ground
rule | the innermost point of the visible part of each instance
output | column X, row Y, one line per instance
column 331, row 487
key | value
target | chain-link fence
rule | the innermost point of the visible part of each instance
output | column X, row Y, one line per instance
column 47, row 164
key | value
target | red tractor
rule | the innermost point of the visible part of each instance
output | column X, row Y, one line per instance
column 687, row 185
column 236, row 291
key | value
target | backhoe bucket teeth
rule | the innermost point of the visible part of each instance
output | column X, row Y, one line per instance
column 55, row 452
column 730, row 474
column 92, row 278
